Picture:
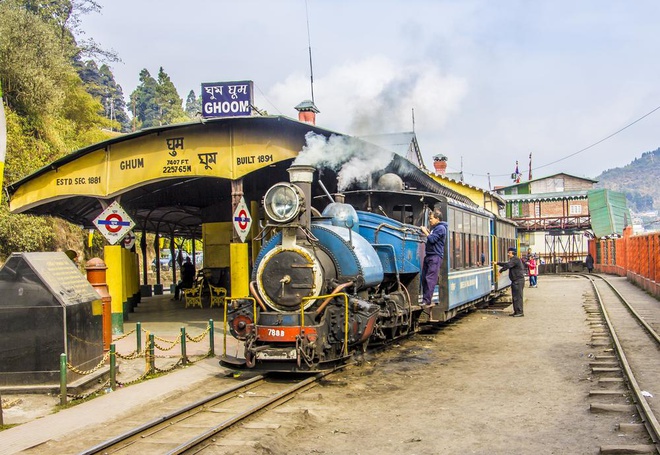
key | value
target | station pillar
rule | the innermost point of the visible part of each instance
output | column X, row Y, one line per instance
column 238, row 256
column 115, row 278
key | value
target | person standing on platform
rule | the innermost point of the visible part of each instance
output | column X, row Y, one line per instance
column 517, row 277
column 435, row 253
column 533, row 271
column 589, row 262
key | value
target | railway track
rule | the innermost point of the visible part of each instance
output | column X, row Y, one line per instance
column 194, row 427
column 625, row 324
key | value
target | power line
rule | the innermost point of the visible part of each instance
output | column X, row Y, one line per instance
column 579, row 151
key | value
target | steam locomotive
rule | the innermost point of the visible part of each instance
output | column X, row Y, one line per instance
column 326, row 286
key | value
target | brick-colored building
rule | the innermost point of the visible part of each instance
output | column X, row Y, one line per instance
column 552, row 214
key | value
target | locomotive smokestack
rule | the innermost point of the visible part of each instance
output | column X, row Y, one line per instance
column 303, row 176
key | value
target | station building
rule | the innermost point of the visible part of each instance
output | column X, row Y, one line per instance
column 183, row 180
column 187, row 181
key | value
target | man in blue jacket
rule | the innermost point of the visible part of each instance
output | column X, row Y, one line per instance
column 435, row 253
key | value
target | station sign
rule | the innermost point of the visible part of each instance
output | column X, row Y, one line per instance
column 241, row 220
column 129, row 240
column 227, row 99
column 114, row 223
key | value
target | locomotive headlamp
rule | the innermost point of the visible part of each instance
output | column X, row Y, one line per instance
column 283, row 202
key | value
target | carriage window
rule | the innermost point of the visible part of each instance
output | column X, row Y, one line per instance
column 459, row 221
column 466, row 250
column 458, row 250
column 484, row 257
column 474, row 251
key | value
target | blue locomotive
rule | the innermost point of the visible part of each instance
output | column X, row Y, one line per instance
column 325, row 286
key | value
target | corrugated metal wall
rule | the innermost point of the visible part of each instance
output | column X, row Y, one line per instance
column 636, row 257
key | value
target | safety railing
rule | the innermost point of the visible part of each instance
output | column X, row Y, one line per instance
column 148, row 352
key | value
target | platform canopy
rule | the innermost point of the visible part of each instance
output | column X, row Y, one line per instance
column 169, row 178
column 174, row 178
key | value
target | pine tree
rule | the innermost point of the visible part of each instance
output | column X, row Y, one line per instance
column 144, row 102
column 117, row 107
column 168, row 100
column 193, row 105
column 156, row 102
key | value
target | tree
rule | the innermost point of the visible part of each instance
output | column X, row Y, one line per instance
column 143, row 101
column 49, row 112
column 101, row 84
column 156, row 103
column 168, row 100
column 193, row 105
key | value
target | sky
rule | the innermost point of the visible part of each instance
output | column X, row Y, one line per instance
column 487, row 82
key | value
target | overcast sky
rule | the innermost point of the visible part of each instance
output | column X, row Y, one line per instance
column 489, row 81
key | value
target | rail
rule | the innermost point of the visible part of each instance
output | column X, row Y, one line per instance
column 649, row 418
column 205, row 411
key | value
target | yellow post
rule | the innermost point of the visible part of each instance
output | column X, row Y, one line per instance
column 112, row 255
column 254, row 230
column 240, row 273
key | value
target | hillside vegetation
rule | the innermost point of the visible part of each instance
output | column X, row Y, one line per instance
column 638, row 180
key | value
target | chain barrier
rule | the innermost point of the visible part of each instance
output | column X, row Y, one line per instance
column 200, row 337
column 103, row 361
column 172, row 343
column 121, row 337
column 148, row 360
column 132, row 356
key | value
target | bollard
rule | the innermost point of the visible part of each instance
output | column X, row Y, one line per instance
column 62, row 379
column 212, row 338
column 184, row 359
column 113, row 367
column 138, row 334
column 152, row 357
column 96, row 268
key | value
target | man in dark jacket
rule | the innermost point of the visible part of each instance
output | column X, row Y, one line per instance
column 517, row 277
column 435, row 252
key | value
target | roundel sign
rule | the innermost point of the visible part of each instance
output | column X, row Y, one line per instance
column 129, row 240
column 241, row 219
column 114, row 223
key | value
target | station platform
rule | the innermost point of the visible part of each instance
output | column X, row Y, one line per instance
column 554, row 319
column 159, row 315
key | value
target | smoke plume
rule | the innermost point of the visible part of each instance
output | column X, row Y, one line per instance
column 353, row 160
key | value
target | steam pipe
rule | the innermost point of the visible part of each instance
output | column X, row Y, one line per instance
column 257, row 297
column 336, row 290
column 325, row 190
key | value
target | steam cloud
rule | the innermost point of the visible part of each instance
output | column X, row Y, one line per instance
column 353, row 160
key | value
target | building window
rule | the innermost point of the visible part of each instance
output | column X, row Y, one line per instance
column 575, row 210
column 537, row 210
column 515, row 209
